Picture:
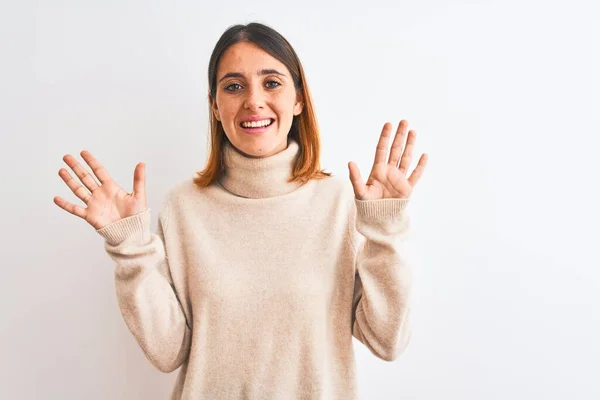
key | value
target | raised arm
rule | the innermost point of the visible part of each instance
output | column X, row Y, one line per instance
column 380, row 228
column 145, row 291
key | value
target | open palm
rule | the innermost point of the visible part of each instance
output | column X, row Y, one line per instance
column 388, row 178
column 105, row 201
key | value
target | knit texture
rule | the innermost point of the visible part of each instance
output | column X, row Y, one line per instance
column 255, row 286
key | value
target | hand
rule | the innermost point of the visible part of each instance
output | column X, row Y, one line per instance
column 388, row 179
column 107, row 202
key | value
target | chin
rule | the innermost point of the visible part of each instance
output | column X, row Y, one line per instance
column 259, row 146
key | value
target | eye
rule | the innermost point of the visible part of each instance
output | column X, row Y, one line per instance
column 229, row 88
column 273, row 86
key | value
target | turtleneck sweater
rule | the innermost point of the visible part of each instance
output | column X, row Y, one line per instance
column 255, row 286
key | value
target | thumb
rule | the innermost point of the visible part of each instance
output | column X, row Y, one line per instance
column 357, row 182
column 139, row 180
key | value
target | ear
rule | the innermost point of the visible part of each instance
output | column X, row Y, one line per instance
column 299, row 105
column 213, row 107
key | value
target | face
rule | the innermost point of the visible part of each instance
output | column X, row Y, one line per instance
column 256, row 100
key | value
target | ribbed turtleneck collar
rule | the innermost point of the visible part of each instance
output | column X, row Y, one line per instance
column 259, row 177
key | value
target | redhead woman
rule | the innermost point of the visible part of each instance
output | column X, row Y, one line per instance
column 263, row 267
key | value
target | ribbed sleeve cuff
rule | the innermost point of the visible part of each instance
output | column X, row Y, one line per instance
column 134, row 227
column 381, row 209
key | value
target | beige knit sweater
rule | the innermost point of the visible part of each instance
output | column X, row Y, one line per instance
column 256, row 286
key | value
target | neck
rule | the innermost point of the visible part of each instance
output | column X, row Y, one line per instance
column 257, row 178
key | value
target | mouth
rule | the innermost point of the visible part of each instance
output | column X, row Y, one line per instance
column 257, row 124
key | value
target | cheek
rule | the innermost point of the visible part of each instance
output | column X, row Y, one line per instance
column 228, row 111
column 285, row 107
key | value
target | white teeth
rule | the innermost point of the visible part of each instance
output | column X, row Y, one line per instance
column 257, row 124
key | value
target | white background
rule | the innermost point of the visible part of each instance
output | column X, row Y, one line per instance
column 504, row 95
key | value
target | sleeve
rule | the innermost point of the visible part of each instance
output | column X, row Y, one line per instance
column 145, row 291
column 381, row 305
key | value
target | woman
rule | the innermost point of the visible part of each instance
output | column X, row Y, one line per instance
column 264, row 266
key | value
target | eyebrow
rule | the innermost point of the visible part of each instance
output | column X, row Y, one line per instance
column 260, row 73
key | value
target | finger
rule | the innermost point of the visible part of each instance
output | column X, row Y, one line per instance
column 84, row 176
column 70, row 207
column 382, row 144
column 398, row 143
column 75, row 187
column 418, row 171
column 139, row 180
column 97, row 168
column 357, row 182
column 408, row 151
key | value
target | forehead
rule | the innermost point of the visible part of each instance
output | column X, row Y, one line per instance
column 248, row 58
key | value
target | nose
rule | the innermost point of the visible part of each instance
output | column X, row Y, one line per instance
column 254, row 100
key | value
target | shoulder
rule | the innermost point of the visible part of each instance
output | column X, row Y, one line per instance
column 334, row 195
column 183, row 199
column 182, row 190
column 337, row 187
column 183, row 194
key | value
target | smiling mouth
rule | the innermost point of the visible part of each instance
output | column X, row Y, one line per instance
column 257, row 124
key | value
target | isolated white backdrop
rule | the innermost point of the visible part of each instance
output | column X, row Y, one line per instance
column 504, row 96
